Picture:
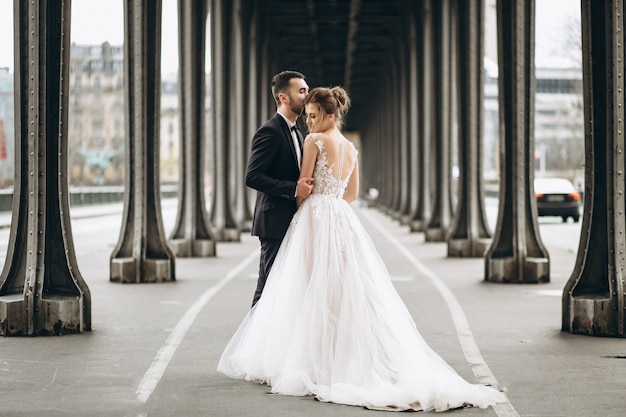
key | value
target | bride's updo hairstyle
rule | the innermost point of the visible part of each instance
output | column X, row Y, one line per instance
column 332, row 100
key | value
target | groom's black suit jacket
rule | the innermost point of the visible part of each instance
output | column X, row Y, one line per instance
column 273, row 171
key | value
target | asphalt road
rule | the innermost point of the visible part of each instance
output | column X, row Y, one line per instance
column 153, row 348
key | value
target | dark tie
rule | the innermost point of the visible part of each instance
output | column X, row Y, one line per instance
column 295, row 134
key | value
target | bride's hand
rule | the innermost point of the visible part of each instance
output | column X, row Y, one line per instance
column 304, row 187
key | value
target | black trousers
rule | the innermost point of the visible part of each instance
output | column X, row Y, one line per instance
column 269, row 249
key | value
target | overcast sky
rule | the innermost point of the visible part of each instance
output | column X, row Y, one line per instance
column 94, row 22
column 97, row 21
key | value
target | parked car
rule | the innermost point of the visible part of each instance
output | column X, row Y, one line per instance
column 557, row 197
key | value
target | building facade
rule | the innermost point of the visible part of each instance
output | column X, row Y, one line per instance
column 97, row 119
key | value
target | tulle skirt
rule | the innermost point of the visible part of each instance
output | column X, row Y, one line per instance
column 330, row 324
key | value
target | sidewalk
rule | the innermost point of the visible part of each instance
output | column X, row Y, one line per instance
column 102, row 373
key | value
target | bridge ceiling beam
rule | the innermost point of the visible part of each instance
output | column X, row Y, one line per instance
column 335, row 43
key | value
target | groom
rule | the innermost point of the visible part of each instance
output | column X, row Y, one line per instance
column 273, row 170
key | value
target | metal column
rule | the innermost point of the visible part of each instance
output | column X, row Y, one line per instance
column 414, row 114
column 419, row 218
column 41, row 290
column 142, row 253
column 517, row 253
column 469, row 236
column 222, row 209
column 439, row 222
column 385, row 154
column 192, row 234
column 238, row 118
column 594, row 297
column 249, row 107
column 393, row 136
column 404, row 209
column 253, row 99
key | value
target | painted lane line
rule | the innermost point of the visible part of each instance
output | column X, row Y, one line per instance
column 463, row 330
column 153, row 375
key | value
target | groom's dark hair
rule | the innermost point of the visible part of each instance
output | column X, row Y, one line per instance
column 280, row 82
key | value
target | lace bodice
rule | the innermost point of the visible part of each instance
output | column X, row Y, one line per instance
column 325, row 182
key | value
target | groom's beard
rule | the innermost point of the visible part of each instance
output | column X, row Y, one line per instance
column 297, row 110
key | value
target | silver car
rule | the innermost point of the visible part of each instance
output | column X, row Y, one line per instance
column 557, row 197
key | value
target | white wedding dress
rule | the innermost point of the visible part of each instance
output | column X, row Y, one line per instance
column 330, row 323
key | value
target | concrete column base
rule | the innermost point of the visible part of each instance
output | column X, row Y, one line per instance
column 186, row 248
column 416, row 226
column 55, row 315
column 230, row 235
column 435, row 235
column 154, row 270
column 506, row 270
column 592, row 315
column 468, row 248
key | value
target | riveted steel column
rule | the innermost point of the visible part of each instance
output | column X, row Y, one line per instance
column 414, row 114
column 469, row 236
column 41, row 290
column 453, row 151
column 254, row 99
column 593, row 298
column 238, row 119
column 376, row 120
column 381, row 120
column 249, row 105
column 419, row 218
column 375, row 147
column 370, row 155
column 142, row 253
column 376, row 153
column 394, row 136
column 517, row 254
column 222, row 210
column 266, row 104
column 439, row 222
column 381, row 154
column 391, row 143
column 385, row 153
column 404, row 209
column 254, row 82
column 192, row 234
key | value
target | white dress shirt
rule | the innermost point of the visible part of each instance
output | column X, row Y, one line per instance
column 294, row 137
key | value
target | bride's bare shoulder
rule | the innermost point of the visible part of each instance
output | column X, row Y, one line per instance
column 314, row 137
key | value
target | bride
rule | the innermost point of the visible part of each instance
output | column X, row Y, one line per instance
column 330, row 323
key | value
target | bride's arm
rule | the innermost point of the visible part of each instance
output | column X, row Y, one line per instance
column 352, row 190
column 309, row 156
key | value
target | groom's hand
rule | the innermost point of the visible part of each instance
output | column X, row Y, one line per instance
column 304, row 187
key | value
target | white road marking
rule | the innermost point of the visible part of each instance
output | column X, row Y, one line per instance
column 164, row 356
column 546, row 293
column 463, row 330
